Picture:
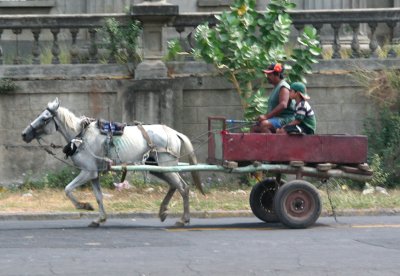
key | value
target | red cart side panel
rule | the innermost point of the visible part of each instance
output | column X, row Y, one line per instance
column 339, row 149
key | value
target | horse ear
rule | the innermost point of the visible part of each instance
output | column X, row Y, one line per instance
column 54, row 105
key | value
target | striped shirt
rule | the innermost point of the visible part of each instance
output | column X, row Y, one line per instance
column 306, row 116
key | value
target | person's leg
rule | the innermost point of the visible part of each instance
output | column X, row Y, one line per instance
column 271, row 125
column 266, row 127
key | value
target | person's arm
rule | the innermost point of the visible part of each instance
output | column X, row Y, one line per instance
column 283, row 102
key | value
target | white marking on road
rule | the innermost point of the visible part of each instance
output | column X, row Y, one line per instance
column 93, row 243
column 218, row 229
column 376, row 226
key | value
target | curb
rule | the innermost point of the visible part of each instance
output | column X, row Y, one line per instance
column 198, row 214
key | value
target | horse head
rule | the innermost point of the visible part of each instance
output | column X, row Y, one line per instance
column 44, row 124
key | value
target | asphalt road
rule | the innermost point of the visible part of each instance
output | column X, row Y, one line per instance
column 221, row 246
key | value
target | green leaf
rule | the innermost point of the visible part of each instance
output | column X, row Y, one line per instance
column 290, row 6
column 315, row 51
column 310, row 32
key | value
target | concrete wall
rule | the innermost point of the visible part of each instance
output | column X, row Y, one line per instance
column 183, row 101
column 85, row 90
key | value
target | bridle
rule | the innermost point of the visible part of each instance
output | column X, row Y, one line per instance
column 34, row 129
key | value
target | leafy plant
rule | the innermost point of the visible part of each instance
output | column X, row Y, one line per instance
column 174, row 47
column 120, row 40
column 383, row 127
column 382, row 87
column 7, row 86
column 380, row 176
column 244, row 42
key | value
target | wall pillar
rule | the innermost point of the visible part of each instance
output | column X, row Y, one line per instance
column 151, row 102
column 396, row 29
column 154, row 15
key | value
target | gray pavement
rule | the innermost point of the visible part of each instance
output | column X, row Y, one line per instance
column 203, row 214
column 357, row 245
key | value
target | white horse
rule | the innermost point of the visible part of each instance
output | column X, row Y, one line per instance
column 93, row 154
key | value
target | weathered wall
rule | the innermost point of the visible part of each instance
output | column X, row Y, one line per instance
column 183, row 101
column 90, row 90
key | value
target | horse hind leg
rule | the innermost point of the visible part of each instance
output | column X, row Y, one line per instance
column 184, row 191
column 176, row 183
column 163, row 213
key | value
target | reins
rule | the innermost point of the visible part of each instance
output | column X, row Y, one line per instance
column 49, row 151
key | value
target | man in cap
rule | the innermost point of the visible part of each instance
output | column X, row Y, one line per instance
column 304, row 119
column 280, row 107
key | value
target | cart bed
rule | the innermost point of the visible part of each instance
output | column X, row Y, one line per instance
column 229, row 146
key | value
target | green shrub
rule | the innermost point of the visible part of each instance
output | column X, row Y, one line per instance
column 380, row 175
column 383, row 127
column 59, row 179
column 384, row 143
column 7, row 86
column 121, row 41
column 174, row 47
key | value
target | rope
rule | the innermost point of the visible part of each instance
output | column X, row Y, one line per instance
column 45, row 148
column 326, row 184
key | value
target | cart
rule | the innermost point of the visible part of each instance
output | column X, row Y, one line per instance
column 295, row 203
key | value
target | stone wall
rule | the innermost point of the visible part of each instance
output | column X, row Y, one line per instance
column 183, row 101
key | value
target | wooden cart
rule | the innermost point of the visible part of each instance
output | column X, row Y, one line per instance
column 296, row 203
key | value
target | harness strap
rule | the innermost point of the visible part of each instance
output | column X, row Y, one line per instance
column 146, row 137
column 124, row 171
column 152, row 146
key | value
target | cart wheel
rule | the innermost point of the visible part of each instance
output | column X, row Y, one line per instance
column 262, row 200
column 297, row 204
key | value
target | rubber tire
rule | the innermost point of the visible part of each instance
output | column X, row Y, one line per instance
column 288, row 210
column 261, row 200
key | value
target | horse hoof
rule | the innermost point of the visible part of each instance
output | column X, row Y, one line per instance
column 89, row 207
column 163, row 216
column 85, row 206
column 94, row 224
column 181, row 223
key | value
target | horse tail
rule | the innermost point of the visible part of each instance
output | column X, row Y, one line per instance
column 192, row 160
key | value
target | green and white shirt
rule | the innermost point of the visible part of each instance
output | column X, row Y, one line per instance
column 306, row 116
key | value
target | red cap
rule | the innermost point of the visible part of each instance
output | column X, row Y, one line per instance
column 274, row 68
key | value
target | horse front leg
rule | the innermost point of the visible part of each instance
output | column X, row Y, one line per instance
column 99, row 198
column 82, row 178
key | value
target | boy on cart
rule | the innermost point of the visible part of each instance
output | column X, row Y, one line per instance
column 304, row 121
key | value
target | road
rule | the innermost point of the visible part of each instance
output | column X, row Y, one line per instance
column 221, row 246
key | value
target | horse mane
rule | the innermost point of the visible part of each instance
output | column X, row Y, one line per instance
column 70, row 120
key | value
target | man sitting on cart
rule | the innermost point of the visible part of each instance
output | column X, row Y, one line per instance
column 280, row 106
